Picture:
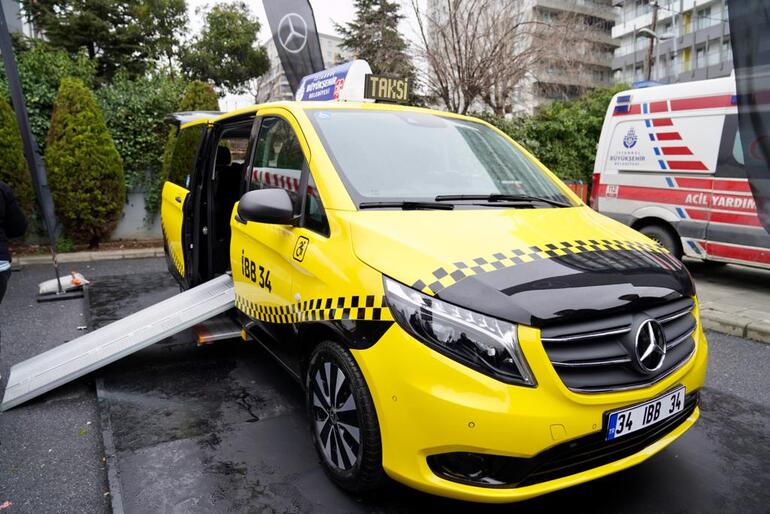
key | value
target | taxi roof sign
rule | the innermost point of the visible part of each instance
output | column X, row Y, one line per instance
column 386, row 89
column 344, row 82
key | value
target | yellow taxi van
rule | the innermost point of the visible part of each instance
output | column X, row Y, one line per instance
column 458, row 319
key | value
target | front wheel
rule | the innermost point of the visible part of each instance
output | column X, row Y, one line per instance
column 343, row 421
column 664, row 238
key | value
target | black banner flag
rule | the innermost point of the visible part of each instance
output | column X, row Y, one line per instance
column 296, row 38
column 749, row 29
column 31, row 150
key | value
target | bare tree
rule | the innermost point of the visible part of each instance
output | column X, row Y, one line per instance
column 479, row 51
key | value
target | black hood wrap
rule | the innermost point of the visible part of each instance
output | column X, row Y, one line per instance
column 575, row 287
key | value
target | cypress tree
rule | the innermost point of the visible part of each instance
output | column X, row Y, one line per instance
column 198, row 96
column 374, row 36
column 13, row 165
column 84, row 168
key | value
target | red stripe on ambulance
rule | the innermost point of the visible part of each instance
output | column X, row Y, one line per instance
column 662, row 122
column 668, row 136
column 675, row 150
column 742, row 253
column 685, row 198
column 687, row 165
column 704, row 102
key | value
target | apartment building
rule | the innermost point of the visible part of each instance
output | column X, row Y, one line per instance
column 273, row 86
column 584, row 58
column 691, row 40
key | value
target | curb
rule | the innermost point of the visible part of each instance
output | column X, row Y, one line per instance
column 109, row 255
column 735, row 325
column 108, row 441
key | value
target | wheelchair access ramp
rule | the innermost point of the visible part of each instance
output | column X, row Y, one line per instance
column 96, row 349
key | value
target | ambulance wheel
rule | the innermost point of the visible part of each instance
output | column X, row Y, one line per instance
column 663, row 237
column 343, row 421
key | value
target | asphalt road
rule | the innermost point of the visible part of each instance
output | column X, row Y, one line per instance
column 221, row 428
column 51, row 449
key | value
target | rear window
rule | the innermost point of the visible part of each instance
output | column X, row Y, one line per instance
column 182, row 157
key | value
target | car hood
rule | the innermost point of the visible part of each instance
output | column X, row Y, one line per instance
column 532, row 266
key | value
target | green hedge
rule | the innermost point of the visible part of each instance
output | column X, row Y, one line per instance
column 13, row 165
column 199, row 96
column 41, row 70
column 85, row 170
column 135, row 110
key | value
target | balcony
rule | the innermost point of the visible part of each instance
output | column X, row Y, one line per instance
column 586, row 7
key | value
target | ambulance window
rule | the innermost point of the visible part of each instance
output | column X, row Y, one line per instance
column 738, row 148
column 184, row 155
column 278, row 159
column 315, row 216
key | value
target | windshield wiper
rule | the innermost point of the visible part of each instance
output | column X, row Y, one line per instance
column 407, row 205
column 499, row 197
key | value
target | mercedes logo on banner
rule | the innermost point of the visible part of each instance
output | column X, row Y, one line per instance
column 292, row 32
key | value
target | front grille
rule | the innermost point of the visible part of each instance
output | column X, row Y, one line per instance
column 569, row 458
column 599, row 355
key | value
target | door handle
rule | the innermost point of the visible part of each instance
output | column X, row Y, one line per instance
column 178, row 199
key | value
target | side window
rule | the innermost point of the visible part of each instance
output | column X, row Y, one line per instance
column 738, row 148
column 315, row 216
column 183, row 155
column 278, row 159
column 278, row 163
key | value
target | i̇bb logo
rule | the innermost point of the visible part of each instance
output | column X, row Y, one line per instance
column 338, row 85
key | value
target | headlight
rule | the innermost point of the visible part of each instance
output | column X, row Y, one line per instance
column 488, row 345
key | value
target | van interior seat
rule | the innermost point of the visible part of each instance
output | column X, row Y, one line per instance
column 228, row 192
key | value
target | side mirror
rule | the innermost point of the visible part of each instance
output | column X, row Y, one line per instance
column 266, row 206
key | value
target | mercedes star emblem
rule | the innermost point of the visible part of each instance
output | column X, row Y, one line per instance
column 650, row 346
column 292, row 32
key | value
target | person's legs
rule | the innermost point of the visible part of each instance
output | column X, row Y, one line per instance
column 4, row 276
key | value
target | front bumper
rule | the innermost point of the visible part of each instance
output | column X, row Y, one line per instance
column 428, row 404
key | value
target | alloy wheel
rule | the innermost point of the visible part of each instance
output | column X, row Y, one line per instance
column 335, row 416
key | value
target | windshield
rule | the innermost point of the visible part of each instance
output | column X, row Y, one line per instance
column 394, row 156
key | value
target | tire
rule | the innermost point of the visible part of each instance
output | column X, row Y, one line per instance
column 663, row 237
column 354, row 465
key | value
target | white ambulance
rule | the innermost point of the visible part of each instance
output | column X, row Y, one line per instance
column 670, row 164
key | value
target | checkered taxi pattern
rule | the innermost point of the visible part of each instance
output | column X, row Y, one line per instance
column 449, row 275
column 369, row 308
column 178, row 262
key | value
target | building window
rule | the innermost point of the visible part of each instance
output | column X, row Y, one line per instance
column 700, row 57
column 727, row 54
column 714, row 53
column 641, row 7
column 703, row 18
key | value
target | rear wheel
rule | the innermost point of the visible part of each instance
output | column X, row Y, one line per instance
column 343, row 420
column 663, row 237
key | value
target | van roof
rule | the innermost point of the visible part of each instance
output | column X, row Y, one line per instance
column 723, row 85
column 214, row 117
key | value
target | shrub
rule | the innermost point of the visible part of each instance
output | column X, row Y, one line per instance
column 199, row 96
column 84, row 168
column 41, row 69
column 134, row 110
column 13, row 165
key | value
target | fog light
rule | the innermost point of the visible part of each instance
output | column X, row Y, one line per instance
column 471, row 468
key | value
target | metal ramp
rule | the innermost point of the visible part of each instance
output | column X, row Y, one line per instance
column 91, row 351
